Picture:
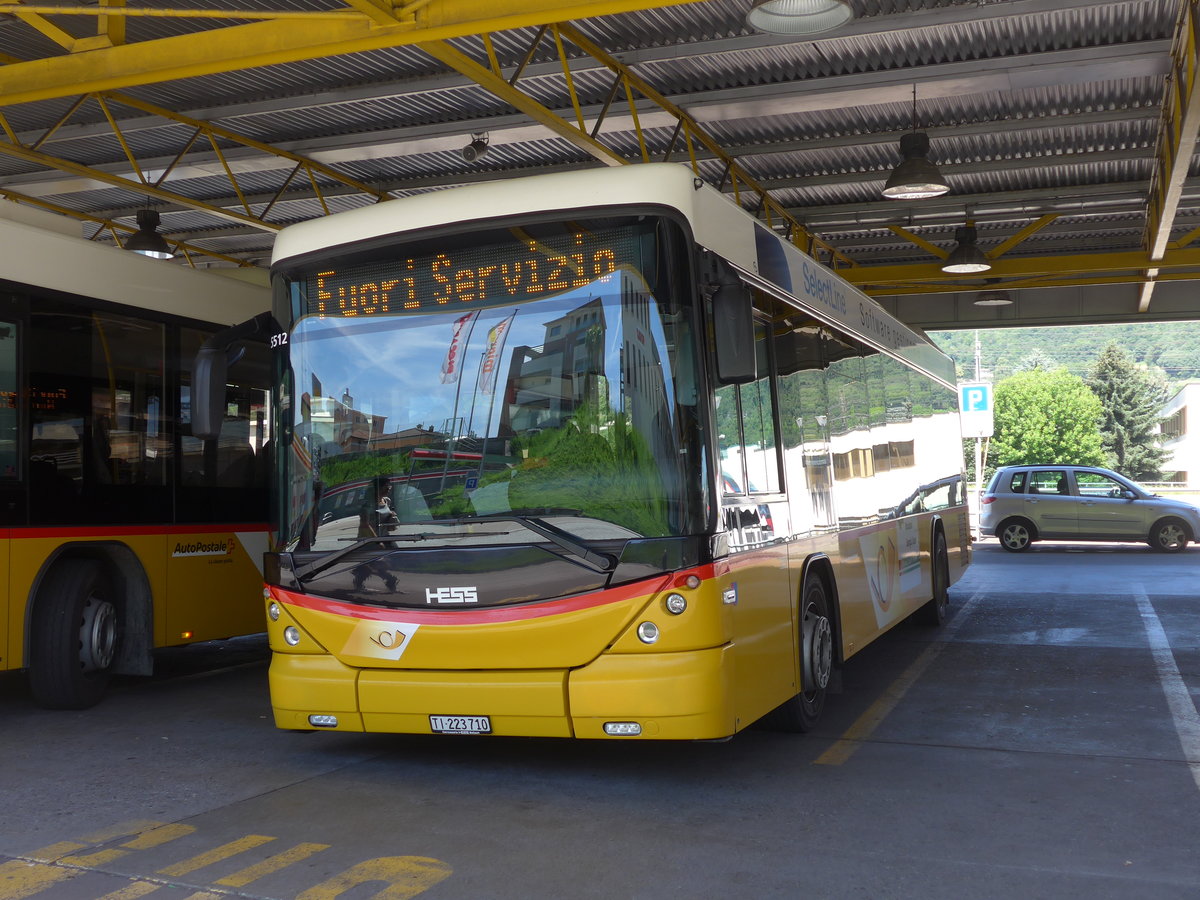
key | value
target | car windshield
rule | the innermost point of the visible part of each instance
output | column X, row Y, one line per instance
column 568, row 401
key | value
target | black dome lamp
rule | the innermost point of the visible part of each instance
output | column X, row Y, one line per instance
column 966, row 258
column 915, row 178
column 146, row 240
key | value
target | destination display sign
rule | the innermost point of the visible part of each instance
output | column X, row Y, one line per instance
column 467, row 277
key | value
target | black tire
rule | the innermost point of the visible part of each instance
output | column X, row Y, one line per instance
column 934, row 612
column 75, row 632
column 1169, row 535
column 1015, row 535
column 801, row 712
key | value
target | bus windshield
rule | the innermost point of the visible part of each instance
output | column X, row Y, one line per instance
column 546, row 372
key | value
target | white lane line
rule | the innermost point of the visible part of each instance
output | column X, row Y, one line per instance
column 1179, row 700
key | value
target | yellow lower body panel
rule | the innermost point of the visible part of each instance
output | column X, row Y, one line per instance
column 527, row 703
column 303, row 685
column 672, row 696
column 669, row 696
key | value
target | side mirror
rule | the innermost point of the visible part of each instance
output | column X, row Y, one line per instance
column 210, row 371
column 733, row 331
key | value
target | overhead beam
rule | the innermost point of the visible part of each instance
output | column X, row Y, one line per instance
column 1092, row 265
column 273, row 43
column 1176, row 144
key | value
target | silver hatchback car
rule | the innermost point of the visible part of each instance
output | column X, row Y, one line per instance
column 1023, row 504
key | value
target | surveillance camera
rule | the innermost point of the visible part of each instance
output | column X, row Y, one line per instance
column 474, row 150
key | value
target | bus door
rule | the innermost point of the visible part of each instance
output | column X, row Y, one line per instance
column 12, row 497
column 753, row 518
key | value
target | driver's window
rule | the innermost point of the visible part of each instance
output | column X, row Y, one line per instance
column 1093, row 484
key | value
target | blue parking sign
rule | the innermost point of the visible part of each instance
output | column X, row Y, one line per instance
column 975, row 398
column 975, row 410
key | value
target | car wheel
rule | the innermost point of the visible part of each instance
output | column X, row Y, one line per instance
column 1169, row 536
column 1015, row 535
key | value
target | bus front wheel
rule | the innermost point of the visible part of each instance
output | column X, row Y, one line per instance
column 801, row 712
column 74, row 638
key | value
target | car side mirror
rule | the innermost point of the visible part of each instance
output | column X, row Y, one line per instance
column 1128, row 494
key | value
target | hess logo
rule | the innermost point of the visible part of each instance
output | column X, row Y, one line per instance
column 444, row 595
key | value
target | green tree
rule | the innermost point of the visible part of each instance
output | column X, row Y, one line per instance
column 1036, row 359
column 1131, row 397
column 1046, row 417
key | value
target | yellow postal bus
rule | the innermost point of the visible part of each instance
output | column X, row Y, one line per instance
column 593, row 454
column 120, row 531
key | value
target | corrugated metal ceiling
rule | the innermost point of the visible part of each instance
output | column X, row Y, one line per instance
column 1032, row 107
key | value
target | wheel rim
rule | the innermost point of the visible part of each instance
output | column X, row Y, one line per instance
column 1015, row 536
column 97, row 635
column 818, row 651
column 1170, row 536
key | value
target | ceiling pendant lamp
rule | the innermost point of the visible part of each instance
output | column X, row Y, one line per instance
column 798, row 16
column 966, row 258
column 146, row 240
column 915, row 178
column 993, row 296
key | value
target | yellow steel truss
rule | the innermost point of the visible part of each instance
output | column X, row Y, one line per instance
column 631, row 89
column 1024, row 272
column 201, row 136
column 190, row 252
column 1176, row 145
column 366, row 25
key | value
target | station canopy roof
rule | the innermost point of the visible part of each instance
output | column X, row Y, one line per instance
column 1064, row 130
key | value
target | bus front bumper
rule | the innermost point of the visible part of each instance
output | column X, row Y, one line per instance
column 663, row 696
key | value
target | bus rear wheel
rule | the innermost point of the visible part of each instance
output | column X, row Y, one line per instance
column 74, row 639
column 801, row 712
column 934, row 612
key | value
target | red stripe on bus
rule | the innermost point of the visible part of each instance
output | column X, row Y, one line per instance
column 486, row 615
column 131, row 530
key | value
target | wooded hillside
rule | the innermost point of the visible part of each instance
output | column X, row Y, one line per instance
column 1174, row 347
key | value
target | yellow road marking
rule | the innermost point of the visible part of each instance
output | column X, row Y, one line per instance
column 131, row 891
column 865, row 725
column 407, row 877
column 55, row 852
column 271, row 864
column 404, row 877
column 133, row 828
column 153, row 838
column 21, row 878
column 225, row 851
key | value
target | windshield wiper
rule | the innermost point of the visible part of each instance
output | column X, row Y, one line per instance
column 562, row 539
column 324, row 562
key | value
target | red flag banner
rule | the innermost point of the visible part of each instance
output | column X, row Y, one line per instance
column 452, row 364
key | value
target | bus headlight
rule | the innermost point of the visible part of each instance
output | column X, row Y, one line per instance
column 273, row 612
column 291, row 635
column 647, row 632
column 675, row 603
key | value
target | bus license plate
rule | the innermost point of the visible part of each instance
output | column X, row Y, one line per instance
column 460, row 724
